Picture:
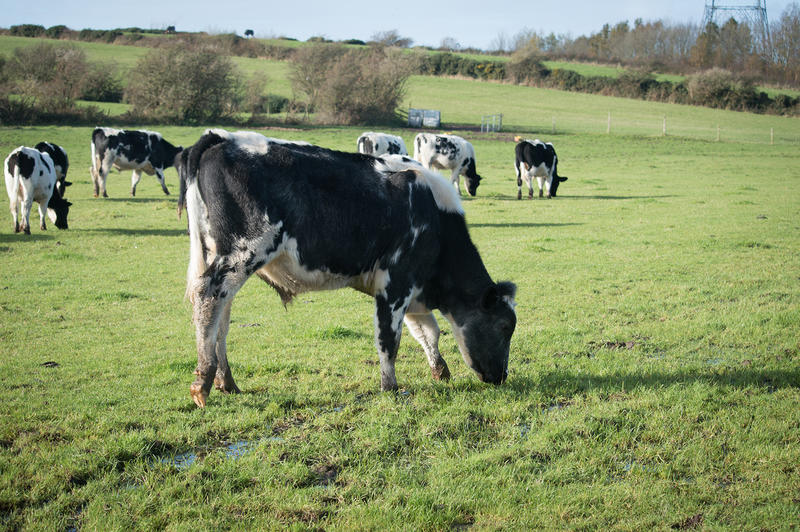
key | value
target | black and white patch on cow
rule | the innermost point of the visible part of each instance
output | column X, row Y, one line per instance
column 305, row 218
column 140, row 151
column 371, row 143
column 60, row 161
column 448, row 152
column 30, row 176
column 535, row 158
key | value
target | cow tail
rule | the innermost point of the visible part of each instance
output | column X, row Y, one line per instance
column 188, row 166
column 16, row 183
column 95, row 162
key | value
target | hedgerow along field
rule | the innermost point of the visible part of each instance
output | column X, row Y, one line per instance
column 654, row 370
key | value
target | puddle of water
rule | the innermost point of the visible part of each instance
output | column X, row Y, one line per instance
column 237, row 450
column 181, row 462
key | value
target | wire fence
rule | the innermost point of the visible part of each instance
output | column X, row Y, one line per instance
column 755, row 129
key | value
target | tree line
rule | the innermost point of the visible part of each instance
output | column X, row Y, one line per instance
column 190, row 78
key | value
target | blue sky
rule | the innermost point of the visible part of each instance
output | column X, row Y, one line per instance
column 475, row 23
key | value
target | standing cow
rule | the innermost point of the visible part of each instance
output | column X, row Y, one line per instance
column 30, row 177
column 381, row 144
column 448, row 152
column 535, row 158
column 60, row 161
column 140, row 151
column 305, row 218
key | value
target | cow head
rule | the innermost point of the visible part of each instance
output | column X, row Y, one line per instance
column 471, row 177
column 483, row 331
column 58, row 209
column 555, row 183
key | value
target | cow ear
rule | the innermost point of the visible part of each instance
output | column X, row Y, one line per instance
column 562, row 178
column 69, row 204
column 489, row 298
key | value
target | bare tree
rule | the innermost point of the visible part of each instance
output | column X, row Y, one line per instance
column 310, row 67
column 392, row 38
column 786, row 41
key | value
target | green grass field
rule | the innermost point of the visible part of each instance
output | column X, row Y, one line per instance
column 654, row 373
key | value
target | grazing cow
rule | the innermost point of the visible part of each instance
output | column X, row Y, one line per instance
column 448, row 152
column 140, row 151
column 305, row 218
column 381, row 143
column 537, row 159
column 61, row 162
column 30, row 176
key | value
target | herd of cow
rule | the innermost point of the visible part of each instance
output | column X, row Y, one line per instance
column 303, row 218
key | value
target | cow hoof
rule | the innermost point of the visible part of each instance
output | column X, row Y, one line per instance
column 441, row 373
column 519, row 195
column 27, row 230
column 96, row 195
column 226, row 386
column 105, row 195
column 133, row 193
column 16, row 228
column 198, row 394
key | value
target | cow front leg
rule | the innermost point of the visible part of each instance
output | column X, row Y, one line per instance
column 135, row 177
column 388, row 328
column 223, row 380
column 455, row 178
column 160, row 177
column 547, row 183
column 425, row 330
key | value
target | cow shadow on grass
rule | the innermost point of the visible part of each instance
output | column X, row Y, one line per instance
column 524, row 224
column 136, row 232
column 137, row 199
column 566, row 383
column 609, row 197
column 19, row 237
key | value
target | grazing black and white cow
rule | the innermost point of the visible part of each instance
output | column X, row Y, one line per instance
column 30, row 177
column 535, row 158
column 448, row 152
column 372, row 143
column 305, row 218
column 61, row 162
column 140, row 151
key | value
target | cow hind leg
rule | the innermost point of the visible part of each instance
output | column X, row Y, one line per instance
column 425, row 330
column 14, row 215
column 27, row 204
column 135, row 177
column 540, row 182
column 212, row 294
column 42, row 218
column 223, row 380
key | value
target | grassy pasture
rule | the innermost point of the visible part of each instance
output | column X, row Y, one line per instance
column 654, row 375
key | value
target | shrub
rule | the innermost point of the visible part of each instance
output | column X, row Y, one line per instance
column 184, row 85
column 56, row 32
column 101, row 84
column 27, row 30
column 51, row 76
column 364, row 87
